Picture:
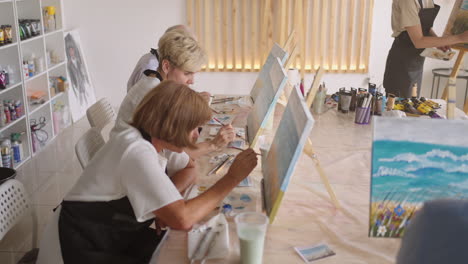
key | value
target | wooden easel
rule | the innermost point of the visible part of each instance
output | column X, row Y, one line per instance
column 450, row 91
column 308, row 149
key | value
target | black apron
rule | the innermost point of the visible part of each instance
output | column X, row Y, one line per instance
column 404, row 66
column 105, row 232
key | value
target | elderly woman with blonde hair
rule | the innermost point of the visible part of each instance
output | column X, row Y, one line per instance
column 106, row 216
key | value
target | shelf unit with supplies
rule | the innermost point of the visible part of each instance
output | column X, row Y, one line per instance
column 33, row 78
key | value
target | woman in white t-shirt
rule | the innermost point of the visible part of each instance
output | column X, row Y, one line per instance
column 105, row 218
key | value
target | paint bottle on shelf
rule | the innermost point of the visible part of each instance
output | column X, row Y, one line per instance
column 39, row 64
column 17, row 147
column 2, row 116
column 5, row 147
column 7, row 113
column 31, row 66
column 25, row 70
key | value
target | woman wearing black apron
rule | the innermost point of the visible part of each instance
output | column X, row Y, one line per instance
column 106, row 216
column 412, row 22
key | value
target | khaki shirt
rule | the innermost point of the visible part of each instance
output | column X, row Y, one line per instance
column 405, row 13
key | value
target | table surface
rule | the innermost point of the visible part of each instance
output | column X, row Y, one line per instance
column 446, row 72
column 307, row 216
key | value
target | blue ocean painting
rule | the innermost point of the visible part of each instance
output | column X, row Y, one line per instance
column 417, row 172
column 414, row 161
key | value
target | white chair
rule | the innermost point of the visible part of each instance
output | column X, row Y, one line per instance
column 100, row 114
column 14, row 204
column 88, row 145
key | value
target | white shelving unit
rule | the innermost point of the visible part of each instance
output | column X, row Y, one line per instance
column 52, row 114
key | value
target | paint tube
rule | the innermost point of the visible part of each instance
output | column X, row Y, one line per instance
column 2, row 37
column 7, row 31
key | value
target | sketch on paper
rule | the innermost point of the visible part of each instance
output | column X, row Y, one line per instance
column 286, row 148
column 82, row 95
column 458, row 20
column 264, row 107
column 413, row 161
column 264, row 74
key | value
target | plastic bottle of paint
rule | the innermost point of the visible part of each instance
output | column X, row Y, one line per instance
column 17, row 147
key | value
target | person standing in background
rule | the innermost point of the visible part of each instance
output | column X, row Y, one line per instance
column 412, row 22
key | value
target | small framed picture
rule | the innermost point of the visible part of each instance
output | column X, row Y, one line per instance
column 312, row 253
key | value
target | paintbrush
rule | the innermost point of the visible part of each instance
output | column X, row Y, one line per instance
column 219, row 121
column 197, row 249
column 258, row 154
column 210, row 245
column 219, row 165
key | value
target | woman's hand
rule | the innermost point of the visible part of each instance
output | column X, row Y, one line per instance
column 243, row 165
column 225, row 135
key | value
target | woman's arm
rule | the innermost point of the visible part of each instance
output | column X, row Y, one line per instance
column 185, row 177
column 184, row 214
column 420, row 41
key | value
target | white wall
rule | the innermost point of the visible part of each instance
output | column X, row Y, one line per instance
column 115, row 33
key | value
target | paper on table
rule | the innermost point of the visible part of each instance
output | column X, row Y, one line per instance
column 220, row 246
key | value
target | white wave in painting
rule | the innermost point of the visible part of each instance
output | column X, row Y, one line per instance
column 384, row 171
column 435, row 153
column 460, row 185
column 447, row 168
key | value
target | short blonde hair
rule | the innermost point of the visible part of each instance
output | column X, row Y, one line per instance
column 181, row 50
column 170, row 112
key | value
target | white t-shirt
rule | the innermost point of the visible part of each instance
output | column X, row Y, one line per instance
column 128, row 165
column 131, row 101
column 405, row 13
column 146, row 62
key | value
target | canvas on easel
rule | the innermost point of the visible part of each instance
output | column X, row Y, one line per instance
column 413, row 161
column 265, row 104
column 458, row 21
column 264, row 74
column 286, row 148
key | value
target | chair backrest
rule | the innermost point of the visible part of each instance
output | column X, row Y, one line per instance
column 88, row 145
column 100, row 113
column 14, row 203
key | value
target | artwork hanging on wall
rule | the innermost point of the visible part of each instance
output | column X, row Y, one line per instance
column 286, row 148
column 81, row 96
column 414, row 160
column 458, row 21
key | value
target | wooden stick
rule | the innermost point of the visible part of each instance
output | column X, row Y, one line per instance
column 291, row 57
column 360, row 40
column 217, row 24
column 189, row 14
column 270, row 30
column 314, row 87
column 310, row 152
column 283, row 21
column 198, row 22
column 244, row 30
column 288, row 17
column 332, row 41
column 341, row 38
column 300, row 26
column 305, row 32
column 350, row 35
column 253, row 34
column 455, row 70
column 315, row 42
column 452, row 97
column 324, row 35
column 234, row 34
column 225, row 34
column 208, row 37
column 264, row 40
column 370, row 12
column 288, row 43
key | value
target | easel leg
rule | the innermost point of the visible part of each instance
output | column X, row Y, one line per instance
column 454, row 73
column 310, row 152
